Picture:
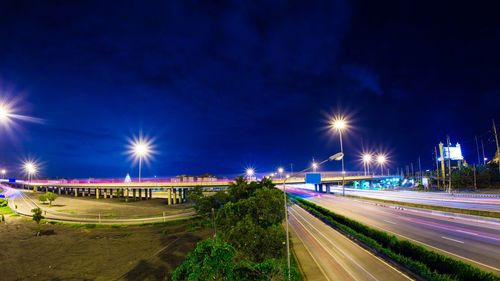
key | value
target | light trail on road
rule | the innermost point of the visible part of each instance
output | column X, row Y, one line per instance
column 479, row 238
column 337, row 256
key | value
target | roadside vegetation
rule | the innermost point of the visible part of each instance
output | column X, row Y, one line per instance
column 249, row 239
column 48, row 197
column 4, row 207
column 425, row 263
column 486, row 177
column 473, row 212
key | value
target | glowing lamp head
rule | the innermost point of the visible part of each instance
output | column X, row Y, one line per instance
column 30, row 168
column 381, row 159
column 339, row 123
column 314, row 165
column 4, row 113
column 141, row 149
column 280, row 170
column 367, row 158
column 4, row 171
column 250, row 172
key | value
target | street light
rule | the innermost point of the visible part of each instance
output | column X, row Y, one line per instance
column 336, row 157
column 280, row 170
column 250, row 172
column 367, row 159
column 314, row 166
column 3, row 173
column 381, row 160
column 30, row 168
column 339, row 123
column 141, row 148
column 5, row 113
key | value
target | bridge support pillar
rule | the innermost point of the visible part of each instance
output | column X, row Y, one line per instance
column 97, row 193
column 75, row 190
column 59, row 190
column 150, row 194
column 327, row 188
column 105, row 193
column 126, row 194
column 185, row 190
column 140, row 194
column 34, row 189
column 169, row 196
column 111, row 193
column 175, row 196
column 134, row 192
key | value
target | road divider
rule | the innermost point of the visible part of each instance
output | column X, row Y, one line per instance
column 421, row 261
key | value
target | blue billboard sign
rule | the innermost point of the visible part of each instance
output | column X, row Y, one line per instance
column 314, row 178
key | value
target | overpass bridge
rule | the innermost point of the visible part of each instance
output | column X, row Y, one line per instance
column 176, row 190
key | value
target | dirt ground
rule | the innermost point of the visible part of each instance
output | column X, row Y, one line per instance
column 68, row 253
column 111, row 208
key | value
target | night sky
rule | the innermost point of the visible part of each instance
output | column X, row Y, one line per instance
column 223, row 85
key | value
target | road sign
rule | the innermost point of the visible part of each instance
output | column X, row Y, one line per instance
column 314, row 178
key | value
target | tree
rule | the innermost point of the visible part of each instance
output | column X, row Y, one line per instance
column 51, row 197
column 210, row 260
column 42, row 198
column 37, row 217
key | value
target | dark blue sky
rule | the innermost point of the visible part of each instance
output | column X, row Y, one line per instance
column 234, row 84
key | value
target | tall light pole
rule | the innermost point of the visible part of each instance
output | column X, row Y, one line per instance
column 141, row 149
column 339, row 124
column 30, row 169
column 314, row 166
column 3, row 173
column 381, row 159
column 250, row 172
column 367, row 159
column 337, row 156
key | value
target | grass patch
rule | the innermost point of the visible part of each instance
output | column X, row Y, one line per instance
column 425, row 263
column 6, row 211
column 85, row 225
column 482, row 213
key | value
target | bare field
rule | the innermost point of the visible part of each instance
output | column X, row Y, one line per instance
column 111, row 208
column 69, row 253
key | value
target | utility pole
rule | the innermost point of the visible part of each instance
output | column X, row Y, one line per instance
column 437, row 166
column 412, row 172
column 443, row 174
column 449, row 164
column 475, row 182
column 419, row 169
column 477, row 148
column 484, row 157
column 497, row 153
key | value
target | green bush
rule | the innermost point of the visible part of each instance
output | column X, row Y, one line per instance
column 3, row 202
column 428, row 264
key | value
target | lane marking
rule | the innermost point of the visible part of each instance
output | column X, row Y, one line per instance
column 326, row 249
column 430, row 246
column 451, row 239
column 390, row 222
column 307, row 249
column 356, row 245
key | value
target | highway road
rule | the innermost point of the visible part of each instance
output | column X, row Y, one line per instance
column 25, row 205
column 488, row 202
column 338, row 257
column 472, row 239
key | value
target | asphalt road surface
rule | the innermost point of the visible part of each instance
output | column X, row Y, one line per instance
column 338, row 257
column 472, row 239
column 454, row 200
